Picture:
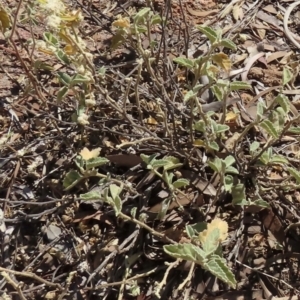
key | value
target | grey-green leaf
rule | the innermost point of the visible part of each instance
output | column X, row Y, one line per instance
column 71, row 178
column 239, row 85
column 90, row 196
column 186, row 251
column 294, row 173
column 185, row 62
column 96, row 162
column 268, row 126
column 210, row 33
column 181, row 182
column 217, row 266
column 228, row 44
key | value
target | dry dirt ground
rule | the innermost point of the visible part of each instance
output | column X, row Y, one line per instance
column 55, row 245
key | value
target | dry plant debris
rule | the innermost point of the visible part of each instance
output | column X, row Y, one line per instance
column 149, row 149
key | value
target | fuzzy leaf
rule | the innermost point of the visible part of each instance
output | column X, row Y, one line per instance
column 185, row 62
column 222, row 128
column 294, row 173
column 78, row 78
column 261, row 203
column 96, row 162
column 51, row 39
column 189, row 95
column 181, row 182
column 283, row 101
column 279, row 159
column 90, row 196
column 231, row 170
column 210, row 33
column 71, row 178
column 228, row 183
column 114, row 190
column 239, row 85
column 62, row 56
column 217, row 266
column 159, row 163
column 287, row 76
column 213, row 145
column 229, row 160
column 218, row 92
column 140, row 15
column 148, row 158
column 268, row 126
column 186, row 251
column 254, row 146
column 190, row 231
column 239, row 195
column 62, row 94
column 228, row 44
column 64, row 78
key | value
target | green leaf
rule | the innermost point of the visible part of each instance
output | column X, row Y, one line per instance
column 200, row 126
column 254, row 146
column 268, row 126
column 156, row 19
column 186, row 251
column 283, row 101
column 159, row 163
column 210, row 33
column 213, row 145
column 189, row 95
column 62, row 56
column 190, row 231
column 78, row 78
column 228, row 44
column 114, row 190
column 294, row 173
column 164, row 208
column 64, row 78
column 51, row 39
column 228, row 183
column 260, row 110
column 173, row 163
column 148, row 158
column 95, row 162
column 185, row 62
column 199, row 227
column 217, row 165
column 140, row 15
column 90, row 196
column 261, row 203
column 79, row 161
column 295, row 130
column 181, row 182
column 239, row 85
column 279, row 159
column 287, row 76
column 217, row 266
column 211, row 242
column 222, row 128
column 62, row 94
column 231, row 170
column 117, row 205
column 239, row 195
column 218, row 92
column 71, row 178
column 229, row 160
